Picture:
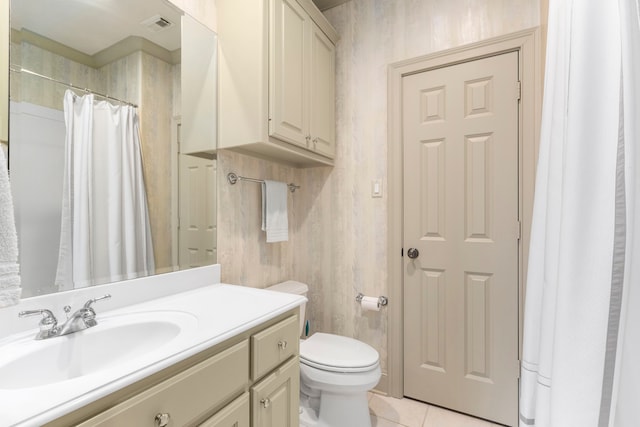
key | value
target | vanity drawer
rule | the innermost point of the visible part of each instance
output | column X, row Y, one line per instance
column 185, row 397
column 274, row 345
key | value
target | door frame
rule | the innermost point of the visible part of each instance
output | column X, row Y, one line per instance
column 527, row 44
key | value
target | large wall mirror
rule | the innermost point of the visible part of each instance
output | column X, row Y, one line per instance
column 111, row 141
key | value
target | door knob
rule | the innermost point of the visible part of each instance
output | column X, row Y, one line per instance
column 413, row 253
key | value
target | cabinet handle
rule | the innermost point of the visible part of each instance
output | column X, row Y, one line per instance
column 265, row 402
column 315, row 141
column 282, row 345
column 162, row 420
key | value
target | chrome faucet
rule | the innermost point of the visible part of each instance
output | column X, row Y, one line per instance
column 83, row 318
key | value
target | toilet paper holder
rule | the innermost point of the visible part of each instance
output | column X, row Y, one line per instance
column 382, row 300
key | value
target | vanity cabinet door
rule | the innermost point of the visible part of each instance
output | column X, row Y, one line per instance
column 275, row 399
column 185, row 398
column 235, row 414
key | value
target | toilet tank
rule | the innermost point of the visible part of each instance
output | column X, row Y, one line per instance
column 293, row 287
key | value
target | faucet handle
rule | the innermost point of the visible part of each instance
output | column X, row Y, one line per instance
column 92, row 300
column 48, row 324
column 89, row 315
column 47, row 315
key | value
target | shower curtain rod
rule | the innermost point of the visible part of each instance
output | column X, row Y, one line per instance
column 51, row 79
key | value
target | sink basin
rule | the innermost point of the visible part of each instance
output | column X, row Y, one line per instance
column 25, row 362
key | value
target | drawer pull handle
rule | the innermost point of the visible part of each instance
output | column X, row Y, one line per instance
column 265, row 402
column 282, row 345
column 162, row 420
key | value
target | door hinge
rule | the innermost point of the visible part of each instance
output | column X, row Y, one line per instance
column 519, row 230
column 519, row 367
column 519, row 90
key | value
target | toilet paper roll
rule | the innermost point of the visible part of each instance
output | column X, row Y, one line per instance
column 370, row 304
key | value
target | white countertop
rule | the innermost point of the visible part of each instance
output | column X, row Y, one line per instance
column 220, row 312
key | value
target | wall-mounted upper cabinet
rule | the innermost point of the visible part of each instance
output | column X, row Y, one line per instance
column 277, row 80
column 199, row 56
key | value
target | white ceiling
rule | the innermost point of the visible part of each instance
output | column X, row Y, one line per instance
column 93, row 25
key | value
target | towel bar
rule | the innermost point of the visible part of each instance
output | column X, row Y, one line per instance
column 233, row 178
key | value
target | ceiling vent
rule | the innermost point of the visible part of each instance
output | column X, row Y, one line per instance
column 157, row 23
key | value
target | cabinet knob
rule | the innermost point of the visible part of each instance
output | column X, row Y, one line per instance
column 162, row 420
column 282, row 345
column 265, row 402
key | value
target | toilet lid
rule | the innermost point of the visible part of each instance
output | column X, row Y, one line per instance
column 336, row 353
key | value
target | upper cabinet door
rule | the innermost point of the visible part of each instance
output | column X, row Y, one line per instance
column 322, row 103
column 288, row 67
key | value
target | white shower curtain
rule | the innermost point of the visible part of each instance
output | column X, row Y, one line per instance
column 105, row 233
column 582, row 309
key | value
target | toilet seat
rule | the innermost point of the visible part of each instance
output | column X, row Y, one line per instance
column 335, row 353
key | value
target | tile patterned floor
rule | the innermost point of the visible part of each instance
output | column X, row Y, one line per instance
column 391, row 412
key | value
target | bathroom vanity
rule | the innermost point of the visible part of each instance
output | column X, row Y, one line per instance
column 253, row 376
column 216, row 355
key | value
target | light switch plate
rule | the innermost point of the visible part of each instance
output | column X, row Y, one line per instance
column 376, row 188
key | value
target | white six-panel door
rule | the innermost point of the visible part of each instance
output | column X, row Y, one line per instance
column 197, row 200
column 460, row 142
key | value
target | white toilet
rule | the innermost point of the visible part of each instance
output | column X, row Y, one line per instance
column 336, row 373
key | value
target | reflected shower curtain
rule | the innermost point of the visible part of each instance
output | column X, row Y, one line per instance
column 581, row 343
column 105, row 233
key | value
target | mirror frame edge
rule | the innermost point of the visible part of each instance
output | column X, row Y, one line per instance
column 4, row 72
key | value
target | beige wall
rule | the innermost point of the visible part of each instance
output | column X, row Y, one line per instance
column 35, row 90
column 245, row 257
column 338, row 235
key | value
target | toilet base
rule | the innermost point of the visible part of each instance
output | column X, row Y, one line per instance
column 340, row 410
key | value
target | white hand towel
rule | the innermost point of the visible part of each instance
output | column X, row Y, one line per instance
column 274, row 211
column 9, row 271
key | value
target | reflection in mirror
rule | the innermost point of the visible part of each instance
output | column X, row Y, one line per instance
column 80, row 192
